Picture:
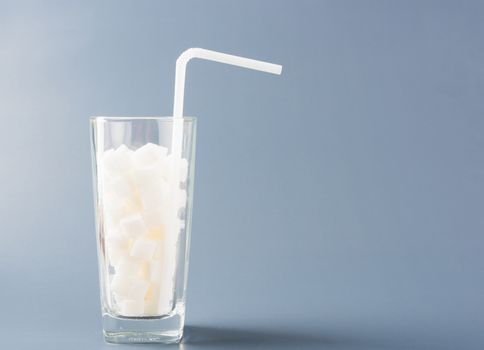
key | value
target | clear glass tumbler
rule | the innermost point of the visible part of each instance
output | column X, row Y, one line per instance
column 143, row 204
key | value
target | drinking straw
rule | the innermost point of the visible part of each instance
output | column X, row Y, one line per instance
column 177, row 133
column 181, row 65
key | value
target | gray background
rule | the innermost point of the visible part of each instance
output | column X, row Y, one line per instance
column 337, row 206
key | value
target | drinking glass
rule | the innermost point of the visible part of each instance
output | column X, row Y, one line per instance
column 143, row 195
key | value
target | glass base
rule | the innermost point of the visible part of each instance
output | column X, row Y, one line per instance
column 162, row 329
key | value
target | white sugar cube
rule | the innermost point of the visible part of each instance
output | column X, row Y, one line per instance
column 172, row 231
column 143, row 249
column 168, row 173
column 169, row 265
column 112, row 208
column 114, row 256
column 127, row 266
column 132, row 205
column 111, row 227
column 155, row 217
column 156, row 196
column 123, row 149
column 133, row 226
column 181, row 198
column 132, row 308
column 111, row 220
column 161, row 301
column 176, row 169
column 148, row 177
column 121, row 285
column 156, row 271
column 169, row 256
column 158, row 255
column 111, row 201
column 129, row 287
column 149, row 154
column 165, row 277
column 118, row 161
column 165, row 298
column 151, row 303
column 138, row 289
column 119, row 185
column 116, row 248
column 116, row 241
column 107, row 156
column 183, row 169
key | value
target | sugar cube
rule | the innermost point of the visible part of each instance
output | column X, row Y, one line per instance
column 143, row 248
column 149, row 154
column 116, row 241
column 155, row 216
column 120, row 185
column 156, row 271
column 138, row 289
column 133, row 226
column 118, row 161
column 132, row 308
column 183, row 169
column 155, row 196
column 151, row 300
column 114, row 256
column 165, row 297
column 121, row 285
column 181, row 198
column 128, row 267
column 149, row 176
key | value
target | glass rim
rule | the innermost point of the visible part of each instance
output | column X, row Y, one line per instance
column 128, row 118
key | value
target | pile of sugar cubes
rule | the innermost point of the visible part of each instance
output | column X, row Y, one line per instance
column 143, row 198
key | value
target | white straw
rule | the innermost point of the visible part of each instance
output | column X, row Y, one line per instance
column 177, row 134
column 181, row 65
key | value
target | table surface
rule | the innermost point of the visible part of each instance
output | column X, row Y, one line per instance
column 261, row 335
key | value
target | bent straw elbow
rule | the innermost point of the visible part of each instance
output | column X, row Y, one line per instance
column 209, row 55
column 187, row 55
